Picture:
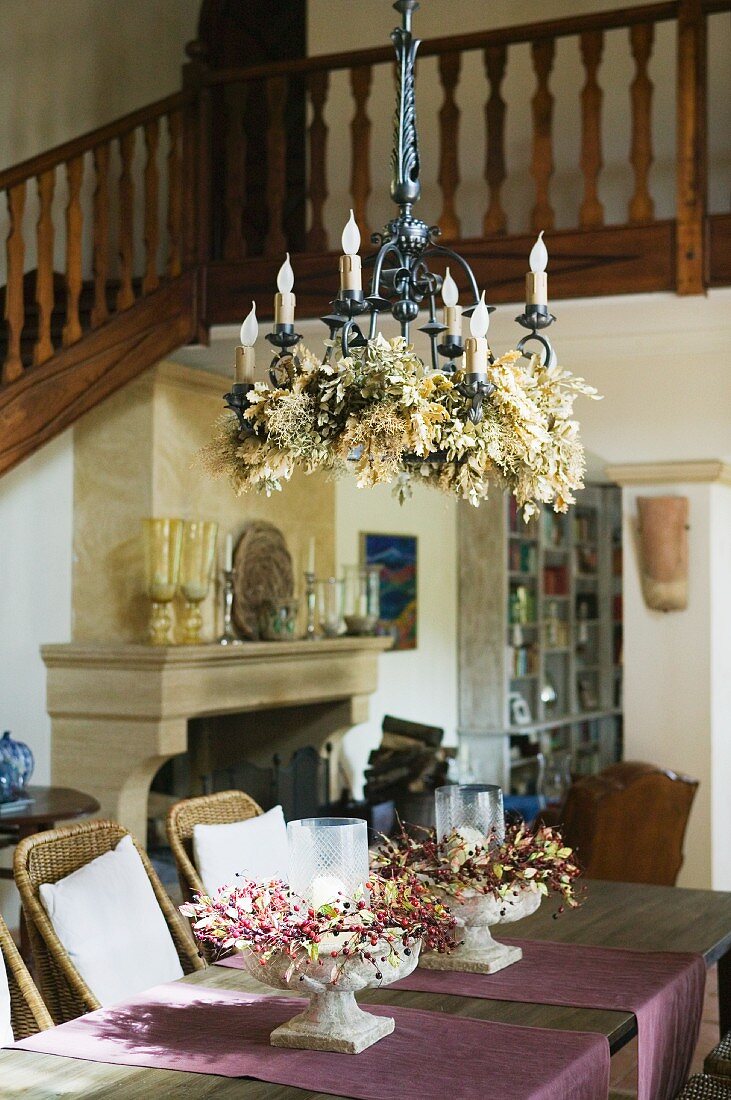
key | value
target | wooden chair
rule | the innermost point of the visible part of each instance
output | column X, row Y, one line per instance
column 50, row 856
column 223, row 808
column 28, row 1014
column 627, row 824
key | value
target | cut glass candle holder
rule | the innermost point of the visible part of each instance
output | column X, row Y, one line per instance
column 475, row 811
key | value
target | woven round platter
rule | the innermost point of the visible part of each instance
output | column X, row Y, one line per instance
column 262, row 570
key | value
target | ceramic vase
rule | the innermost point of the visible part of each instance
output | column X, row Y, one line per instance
column 476, row 915
column 334, row 1020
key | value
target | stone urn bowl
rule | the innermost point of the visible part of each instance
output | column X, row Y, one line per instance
column 333, row 1019
column 475, row 915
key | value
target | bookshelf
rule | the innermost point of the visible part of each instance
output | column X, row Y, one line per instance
column 540, row 630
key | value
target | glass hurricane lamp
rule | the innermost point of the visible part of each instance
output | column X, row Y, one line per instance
column 162, row 540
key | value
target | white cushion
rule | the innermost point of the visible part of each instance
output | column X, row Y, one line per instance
column 6, row 1031
column 107, row 917
column 256, row 848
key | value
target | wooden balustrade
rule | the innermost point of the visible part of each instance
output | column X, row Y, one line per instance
column 81, row 298
column 190, row 200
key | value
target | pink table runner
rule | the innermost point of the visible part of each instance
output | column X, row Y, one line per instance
column 217, row 1031
column 664, row 990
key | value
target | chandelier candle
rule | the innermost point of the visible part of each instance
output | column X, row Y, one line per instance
column 452, row 311
column 350, row 269
column 284, row 301
column 476, row 346
column 245, row 354
column 536, row 281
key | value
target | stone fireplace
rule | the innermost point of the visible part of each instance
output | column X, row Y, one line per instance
column 119, row 712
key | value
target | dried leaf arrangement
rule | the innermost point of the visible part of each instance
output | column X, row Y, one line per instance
column 459, row 868
column 265, row 919
column 379, row 413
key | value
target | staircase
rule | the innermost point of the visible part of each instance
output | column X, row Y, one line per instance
column 178, row 213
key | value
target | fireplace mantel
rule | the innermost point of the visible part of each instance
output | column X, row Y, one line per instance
column 119, row 712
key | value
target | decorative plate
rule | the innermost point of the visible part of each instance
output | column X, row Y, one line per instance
column 262, row 571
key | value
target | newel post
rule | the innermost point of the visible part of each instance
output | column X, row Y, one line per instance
column 197, row 176
column 692, row 155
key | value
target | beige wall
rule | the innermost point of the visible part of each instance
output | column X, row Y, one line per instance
column 135, row 456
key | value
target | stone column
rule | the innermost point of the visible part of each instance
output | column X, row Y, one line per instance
column 677, row 665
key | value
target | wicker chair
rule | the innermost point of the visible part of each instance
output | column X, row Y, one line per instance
column 28, row 1014
column 223, row 808
column 702, row 1086
column 718, row 1061
column 50, row 856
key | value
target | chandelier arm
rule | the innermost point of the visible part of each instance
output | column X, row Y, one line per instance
column 388, row 246
column 442, row 250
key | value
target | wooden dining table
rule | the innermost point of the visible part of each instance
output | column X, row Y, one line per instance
column 623, row 915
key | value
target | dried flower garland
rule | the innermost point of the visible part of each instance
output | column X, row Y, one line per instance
column 266, row 919
column 380, row 412
column 461, row 869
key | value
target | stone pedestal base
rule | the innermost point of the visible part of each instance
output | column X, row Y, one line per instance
column 335, row 1022
column 487, row 960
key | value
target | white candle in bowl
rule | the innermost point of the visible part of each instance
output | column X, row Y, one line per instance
column 228, row 556
column 472, row 837
column 326, row 889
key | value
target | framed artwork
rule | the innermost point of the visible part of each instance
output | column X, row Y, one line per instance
column 397, row 557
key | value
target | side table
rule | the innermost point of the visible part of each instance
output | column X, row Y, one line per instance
column 49, row 806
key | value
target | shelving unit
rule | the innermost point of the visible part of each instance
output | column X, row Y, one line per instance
column 553, row 684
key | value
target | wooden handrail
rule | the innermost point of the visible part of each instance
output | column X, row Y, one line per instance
column 69, row 150
column 569, row 26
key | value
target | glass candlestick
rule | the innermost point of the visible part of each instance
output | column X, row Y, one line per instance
column 328, row 858
column 474, row 810
column 162, row 542
column 311, row 601
column 196, row 563
column 330, row 606
column 229, row 635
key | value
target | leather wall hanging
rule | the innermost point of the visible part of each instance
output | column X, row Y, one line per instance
column 663, row 550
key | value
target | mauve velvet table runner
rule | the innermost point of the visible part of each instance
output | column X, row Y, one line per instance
column 216, row 1031
column 664, row 990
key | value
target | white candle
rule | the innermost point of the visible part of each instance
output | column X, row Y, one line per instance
column 452, row 311
column 472, row 837
column 284, row 301
column 325, row 889
column 350, row 269
column 245, row 354
column 536, row 281
column 228, row 554
column 311, row 555
column 476, row 346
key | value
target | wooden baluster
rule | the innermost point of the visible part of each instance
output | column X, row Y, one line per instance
column 74, row 223
column 150, row 280
column 317, row 235
column 125, row 294
column 641, row 207
column 43, row 347
column 175, row 194
column 360, row 134
column 14, row 304
column 692, row 156
column 591, row 213
column 449, row 67
column 542, row 163
column 100, row 309
column 495, row 171
column 276, row 241
column 234, row 244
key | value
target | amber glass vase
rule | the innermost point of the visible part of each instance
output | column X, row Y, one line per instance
column 162, row 540
column 196, row 565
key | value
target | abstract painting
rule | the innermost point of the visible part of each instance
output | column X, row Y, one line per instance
column 396, row 554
